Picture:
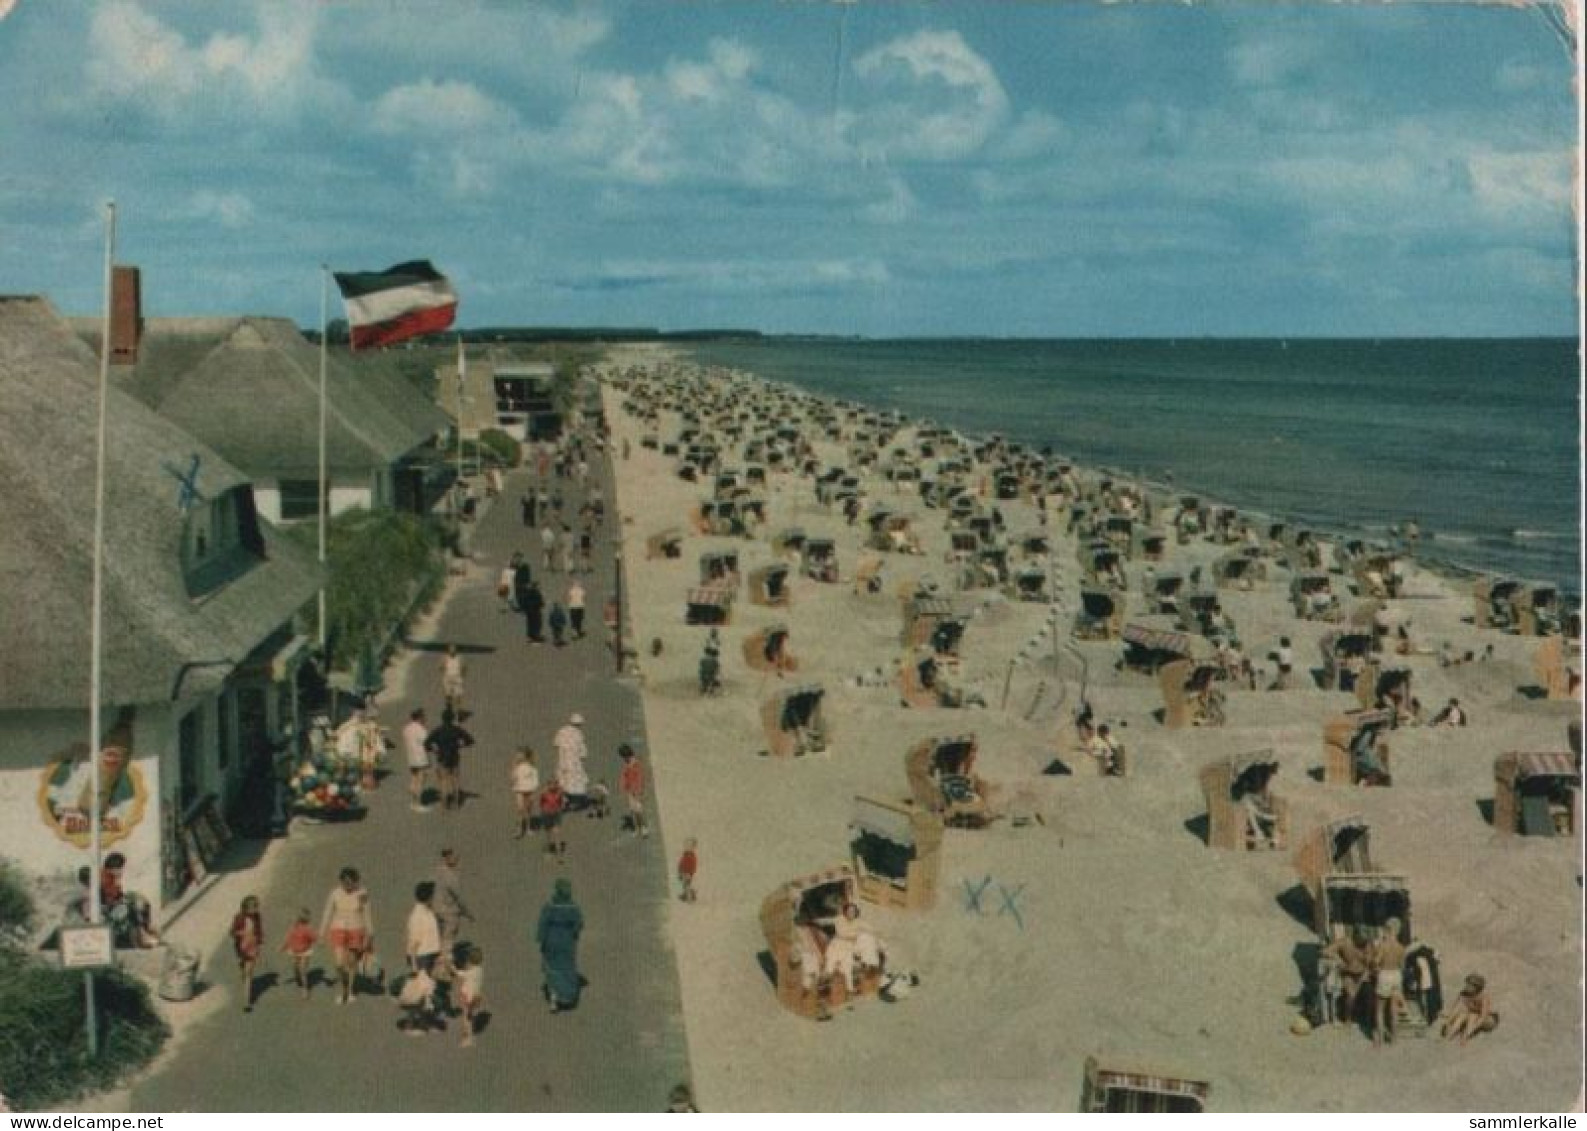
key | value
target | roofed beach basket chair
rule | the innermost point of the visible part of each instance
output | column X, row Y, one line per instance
column 708, row 605
column 1558, row 667
column 788, row 542
column 1537, row 794
column 1354, row 752
column 1493, row 602
column 1163, row 591
column 1312, row 596
column 767, row 650
column 1535, row 610
column 666, row 543
column 1101, row 614
column 768, row 585
column 1191, row 697
column 897, row 854
column 1239, row 569
column 719, row 568
column 796, row 942
column 1115, row 1086
column 868, row 574
column 794, row 723
column 1243, row 812
column 818, row 560
column 943, row 781
column 1346, row 656
column 1150, row 544
column 1154, row 641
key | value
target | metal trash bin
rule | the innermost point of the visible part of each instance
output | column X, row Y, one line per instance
column 179, row 976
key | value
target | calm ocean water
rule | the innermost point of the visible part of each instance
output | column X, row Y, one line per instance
column 1476, row 439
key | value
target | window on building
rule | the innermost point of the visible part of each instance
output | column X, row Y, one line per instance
column 220, row 540
column 299, row 499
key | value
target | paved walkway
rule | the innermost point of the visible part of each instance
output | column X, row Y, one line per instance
column 621, row 1050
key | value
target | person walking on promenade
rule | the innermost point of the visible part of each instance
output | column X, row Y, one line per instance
column 452, row 678
column 504, row 585
column 571, row 753
column 247, row 939
column 470, row 985
column 575, row 599
column 449, row 907
column 558, row 622
column 631, row 782
column 522, row 578
column 565, row 548
column 587, row 549
column 348, row 924
column 423, row 948
column 414, row 738
column 557, row 937
column 553, row 802
column 688, row 867
column 299, row 947
column 524, row 779
column 447, row 743
column 526, row 509
column 534, row 604
column 548, row 546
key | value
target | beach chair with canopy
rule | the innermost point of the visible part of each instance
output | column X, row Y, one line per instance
column 1346, row 656
column 1007, row 485
column 1558, row 667
column 1114, row 1087
column 1034, row 545
column 819, row 560
column 1104, row 566
column 991, row 565
column 1354, row 752
column 1388, row 688
column 1374, row 572
column 868, row 574
column 728, row 484
column 1150, row 544
column 1200, row 611
column 923, row 611
column 1242, row 810
column 1312, row 596
column 1190, row 697
column 1029, row 584
column 1150, row 642
column 1239, row 569
column 1492, row 600
column 890, row 532
column 719, row 568
column 755, row 476
column 1302, row 549
column 1534, row 610
column 896, row 853
column 1163, row 592
column 1537, row 794
column 767, row 650
column 666, row 543
column 788, row 542
column 1118, row 530
column 929, row 679
column 1190, row 520
column 943, row 781
column 1101, row 614
column 796, row 942
column 708, row 605
column 768, row 585
column 794, row 721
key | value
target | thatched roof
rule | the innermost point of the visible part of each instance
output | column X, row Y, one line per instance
column 211, row 376
column 153, row 628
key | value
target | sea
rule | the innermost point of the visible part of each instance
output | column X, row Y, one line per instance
column 1478, row 441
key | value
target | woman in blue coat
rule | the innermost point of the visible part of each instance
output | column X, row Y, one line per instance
column 557, row 936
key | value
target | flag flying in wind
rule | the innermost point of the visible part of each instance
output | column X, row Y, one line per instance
column 400, row 302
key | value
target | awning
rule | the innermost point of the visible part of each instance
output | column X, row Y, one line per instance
column 1546, row 765
column 1240, row 763
column 1161, row 1085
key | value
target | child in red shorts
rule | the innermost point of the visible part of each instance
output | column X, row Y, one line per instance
column 688, row 865
column 299, row 946
column 247, row 939
column 552, row 802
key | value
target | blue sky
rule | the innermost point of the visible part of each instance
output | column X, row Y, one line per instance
column 1039, row 169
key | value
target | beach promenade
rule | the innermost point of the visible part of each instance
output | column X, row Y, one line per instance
column 621, row 1050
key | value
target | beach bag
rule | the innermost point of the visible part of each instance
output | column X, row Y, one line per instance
column 179, row 974
column 369, row 966
column 416, row 991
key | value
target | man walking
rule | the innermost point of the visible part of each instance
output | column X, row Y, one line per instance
column 423, row 947
column 414, row 737
column 449, row 908
column 548, row 546
column 576, row 608
column 447, row 743
column 527, row 508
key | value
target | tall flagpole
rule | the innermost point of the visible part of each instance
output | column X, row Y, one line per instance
column 96, row 624
column 462, row 375
column 325, row 293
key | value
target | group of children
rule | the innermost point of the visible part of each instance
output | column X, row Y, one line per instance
column 466, row 973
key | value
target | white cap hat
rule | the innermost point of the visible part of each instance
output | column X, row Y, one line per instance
column 577, row 719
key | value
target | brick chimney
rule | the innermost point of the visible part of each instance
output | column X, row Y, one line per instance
column 126, row 315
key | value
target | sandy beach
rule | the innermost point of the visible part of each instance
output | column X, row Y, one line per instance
column 1106, row 927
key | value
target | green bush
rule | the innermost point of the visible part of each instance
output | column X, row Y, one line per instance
column 383, row 565
column 16, row 906
column 43, row 1037
column 501, row 446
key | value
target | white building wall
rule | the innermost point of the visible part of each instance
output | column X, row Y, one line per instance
column 30, row 741
column 267, row 500
column 347, row 494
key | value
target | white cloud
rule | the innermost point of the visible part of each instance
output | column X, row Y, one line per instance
column 137, row 60
column 927, row 96
column 448, row 108
column 228, row 209
column 1527, row 181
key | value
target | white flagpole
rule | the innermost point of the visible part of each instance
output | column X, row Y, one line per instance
column 462, row 375
column 325, row 292
column 96, row 623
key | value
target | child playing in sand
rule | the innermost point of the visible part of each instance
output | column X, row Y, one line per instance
column 524, row 779
column 470, row 986
column 247, row 938
column 688, row 865
column 299, row 946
